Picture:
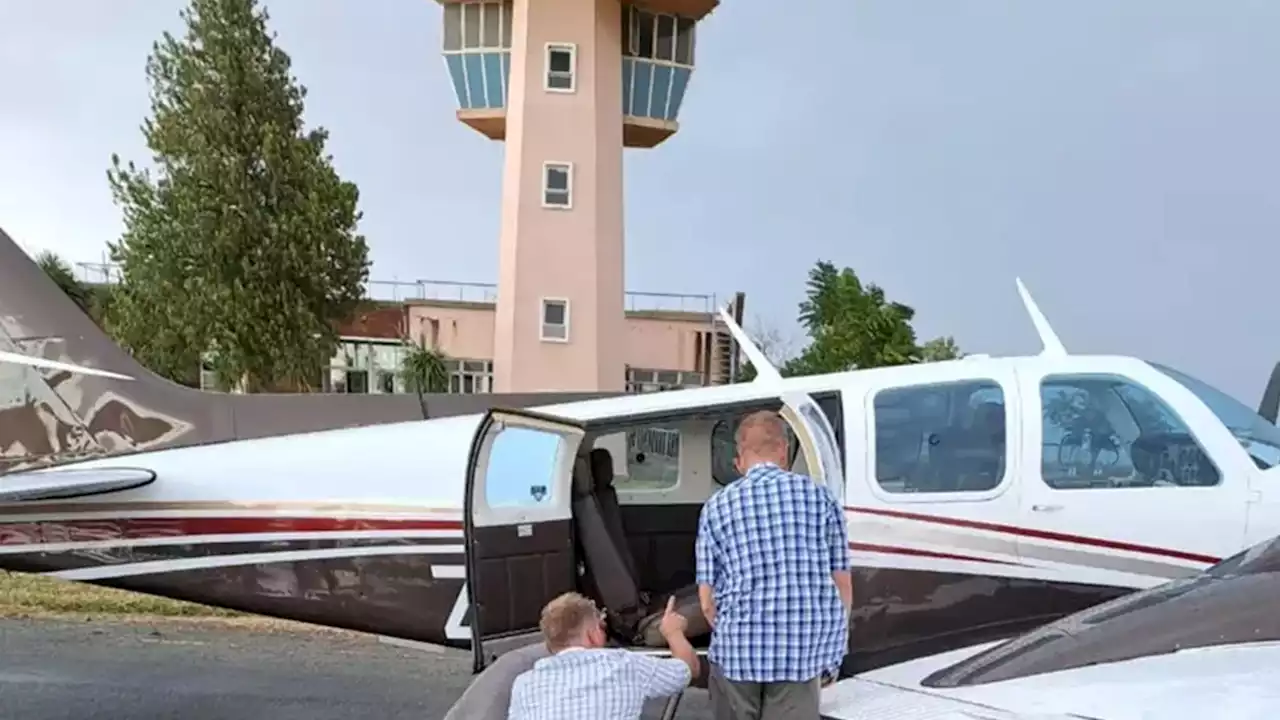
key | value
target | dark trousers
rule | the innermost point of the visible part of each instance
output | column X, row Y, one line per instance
column 732, row 700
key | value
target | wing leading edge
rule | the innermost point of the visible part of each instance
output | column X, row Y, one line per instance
column 60, row 484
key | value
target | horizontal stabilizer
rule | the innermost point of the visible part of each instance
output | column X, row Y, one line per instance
column 58, row 484
column 36, row 362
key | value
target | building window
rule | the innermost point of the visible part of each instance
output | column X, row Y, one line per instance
column 470, row 377
column 1104, row 431
column 642, row 380
column 942, row 438
column 560, row 66
column 477, row 25
column 555, row 320
column 557, row 185
column 357, row 382
column 656, row 36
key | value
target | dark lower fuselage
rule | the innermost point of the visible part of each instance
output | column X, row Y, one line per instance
column 405, row 578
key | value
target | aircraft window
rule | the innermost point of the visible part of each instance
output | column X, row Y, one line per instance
column 653, row 459
column 1260, row 438
column 1104, row 431
column 724, row 450
column 948, row 437
column 520, row 468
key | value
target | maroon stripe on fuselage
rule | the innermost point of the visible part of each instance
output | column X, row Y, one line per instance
column 1040, row 534
column 70, row 530
column 916, row 552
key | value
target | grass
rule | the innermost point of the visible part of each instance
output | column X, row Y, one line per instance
column 35, row 596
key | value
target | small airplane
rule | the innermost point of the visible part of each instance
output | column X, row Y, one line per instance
column 1203, row 646
column 985, row 496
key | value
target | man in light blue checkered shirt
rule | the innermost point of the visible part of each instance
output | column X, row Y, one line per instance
column 773, row 580
column 584, row 680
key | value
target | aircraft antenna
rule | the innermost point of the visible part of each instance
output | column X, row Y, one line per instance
column 1048, row 338
column 764, row 369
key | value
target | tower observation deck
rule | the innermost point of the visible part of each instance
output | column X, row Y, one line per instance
column 567, row 84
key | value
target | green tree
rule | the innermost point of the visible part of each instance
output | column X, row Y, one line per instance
column 61, row 274
column 940, row 348
column 851, row 325
column 241, row 236
column 423, row 369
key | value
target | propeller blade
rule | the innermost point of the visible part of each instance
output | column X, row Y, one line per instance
column 55, row 365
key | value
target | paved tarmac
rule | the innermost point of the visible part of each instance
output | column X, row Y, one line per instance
column 72, row 670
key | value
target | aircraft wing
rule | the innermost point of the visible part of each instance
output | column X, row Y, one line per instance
column 860, row 699
column 1240, row 680
column 61, row 483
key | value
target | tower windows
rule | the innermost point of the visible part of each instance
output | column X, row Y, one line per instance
column 561, row 59
column 555, row 320
column 557, row 185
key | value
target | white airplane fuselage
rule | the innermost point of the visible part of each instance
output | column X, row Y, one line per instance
column 1100, row 476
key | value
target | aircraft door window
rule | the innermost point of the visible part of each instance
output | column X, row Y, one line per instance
column 521, row 468
column 1105, row 431
column 947, row 437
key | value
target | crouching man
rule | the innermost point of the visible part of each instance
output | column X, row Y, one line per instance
column 584, row 680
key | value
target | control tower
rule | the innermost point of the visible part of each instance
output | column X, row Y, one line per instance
column 567, row 84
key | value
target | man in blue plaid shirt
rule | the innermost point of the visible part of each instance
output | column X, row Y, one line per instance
column 773, row 580
column 584, row 680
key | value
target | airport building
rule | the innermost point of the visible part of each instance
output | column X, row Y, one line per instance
column 672, row 341
column 567, row 85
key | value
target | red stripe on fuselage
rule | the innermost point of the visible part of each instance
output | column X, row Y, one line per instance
column 1039, row 534
column 59, row 531
column 916, row 552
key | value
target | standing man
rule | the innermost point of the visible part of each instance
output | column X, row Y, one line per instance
column 584, row 680
column 773, row 581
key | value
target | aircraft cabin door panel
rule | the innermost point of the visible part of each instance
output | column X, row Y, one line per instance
column 818, row 442
column 518, row 525
column 1119, row 490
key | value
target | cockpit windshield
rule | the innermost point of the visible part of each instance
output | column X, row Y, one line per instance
column 1260, row 438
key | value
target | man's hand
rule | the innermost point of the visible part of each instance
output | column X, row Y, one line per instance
column 672, row 623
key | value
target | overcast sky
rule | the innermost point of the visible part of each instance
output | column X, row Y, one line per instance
column 1122, row 157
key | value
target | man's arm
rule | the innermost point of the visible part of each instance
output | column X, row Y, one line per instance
column 704, row 556
column 663, row 677
column 838, row 545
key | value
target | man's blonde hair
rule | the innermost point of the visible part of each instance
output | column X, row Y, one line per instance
column 566, row 618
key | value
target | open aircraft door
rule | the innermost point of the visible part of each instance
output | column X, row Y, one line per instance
column 818, row 443
column 518, row 525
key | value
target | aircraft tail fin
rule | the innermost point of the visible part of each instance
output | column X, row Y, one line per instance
column 764, row 369
column 1269, row 407
column 67, row 391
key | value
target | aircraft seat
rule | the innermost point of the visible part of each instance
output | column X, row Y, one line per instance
column 631, row 613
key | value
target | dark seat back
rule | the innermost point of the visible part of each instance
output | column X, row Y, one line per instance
column 610, row 508
column 606, row 567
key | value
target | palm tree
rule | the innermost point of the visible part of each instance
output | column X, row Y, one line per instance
column 423, row 369
column 60, row 273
